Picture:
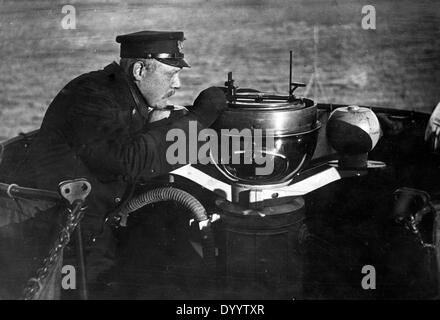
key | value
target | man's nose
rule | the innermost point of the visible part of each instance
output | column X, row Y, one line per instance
column 175, row 83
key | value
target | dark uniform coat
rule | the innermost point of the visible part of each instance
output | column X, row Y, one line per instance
column 97, row 128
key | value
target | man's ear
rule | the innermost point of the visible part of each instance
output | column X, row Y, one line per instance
column 138, row 70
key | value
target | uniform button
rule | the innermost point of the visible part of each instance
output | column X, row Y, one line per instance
column 117, row 200
column 152, row 170
column 133, row 112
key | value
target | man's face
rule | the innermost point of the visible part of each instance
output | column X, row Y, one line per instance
column 159, row 82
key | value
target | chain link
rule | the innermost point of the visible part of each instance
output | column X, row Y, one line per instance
column 34, row 284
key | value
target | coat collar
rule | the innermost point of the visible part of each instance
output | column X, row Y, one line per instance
column 115, row 70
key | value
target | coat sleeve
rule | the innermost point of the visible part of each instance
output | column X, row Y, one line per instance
column 104, row 142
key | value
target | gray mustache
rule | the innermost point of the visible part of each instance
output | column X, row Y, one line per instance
column 169, row 94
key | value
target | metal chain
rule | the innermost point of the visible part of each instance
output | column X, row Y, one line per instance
column 34, row 284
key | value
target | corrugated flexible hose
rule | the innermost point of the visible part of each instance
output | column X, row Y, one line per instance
column 187, row 201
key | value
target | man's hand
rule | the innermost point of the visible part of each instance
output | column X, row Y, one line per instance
column 206, row 109
column 159, row 114
column 432, row 132
column 209, row 105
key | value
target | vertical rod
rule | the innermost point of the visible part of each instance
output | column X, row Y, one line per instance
column 290, row 74
column 315, row 60
column 230, row 87
column 81, row 262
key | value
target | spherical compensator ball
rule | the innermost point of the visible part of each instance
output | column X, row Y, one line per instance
column 353, row 130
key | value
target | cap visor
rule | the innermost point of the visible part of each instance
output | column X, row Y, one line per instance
column 175, row 62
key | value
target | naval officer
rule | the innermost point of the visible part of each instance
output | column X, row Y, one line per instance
column 99, row 127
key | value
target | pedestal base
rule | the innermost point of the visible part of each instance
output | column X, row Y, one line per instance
column 260, row 251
